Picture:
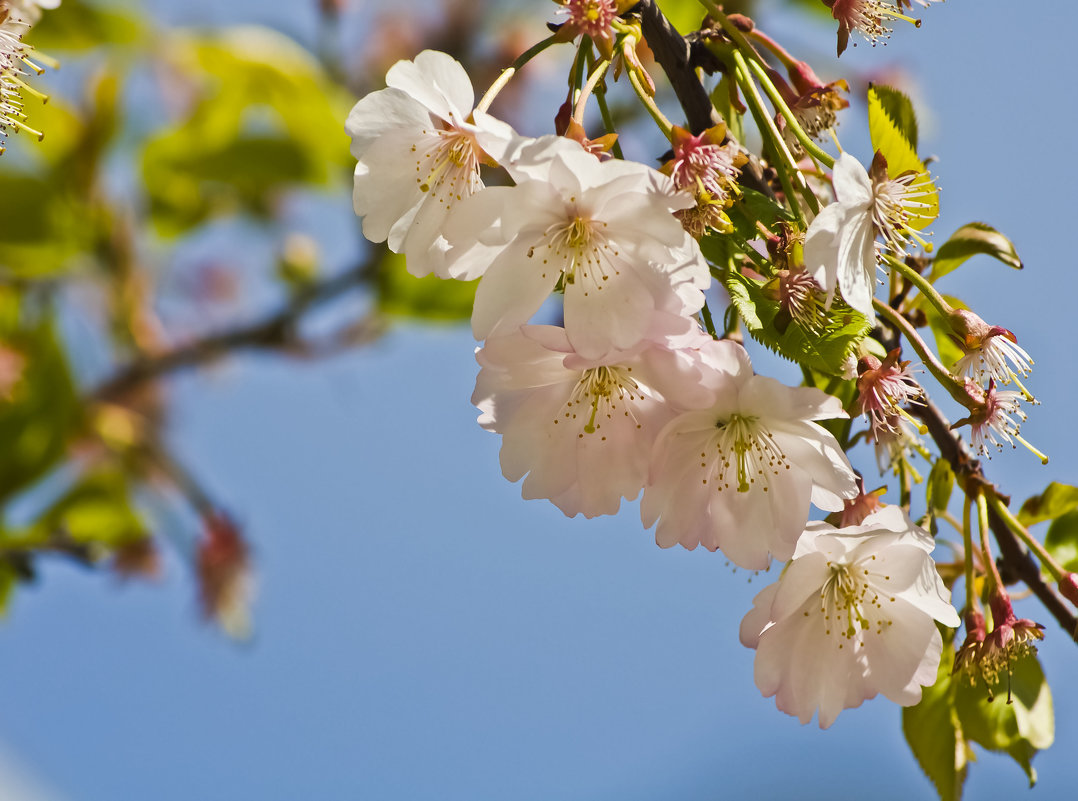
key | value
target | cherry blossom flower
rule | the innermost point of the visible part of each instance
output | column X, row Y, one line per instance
column 707, row 168
column 870, row 18
column 1010, row 639
column 582, row 429
column 840, row 247
column 852, row 615
column 603, row 232
column 740, row 474
column 417, row 156
column 883, row 388
column 990, row 351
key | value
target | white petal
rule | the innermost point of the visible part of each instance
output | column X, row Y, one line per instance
column 852, row 185
column 436, row 80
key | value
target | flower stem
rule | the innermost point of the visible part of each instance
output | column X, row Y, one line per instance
column 608, row 119
column 989, row 560
column 1023, row 534
column 967, row 544
column 709, row 323
column 811, row 147
column 511, row 70
column 922, row 284
column 955, row 389
column 594, row 78
column 664, row 124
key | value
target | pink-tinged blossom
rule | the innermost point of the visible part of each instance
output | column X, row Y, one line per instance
column 992, row 423
column 852, row 615
column 418, row 156
column 840, row 244
column 990, row 351
column 603, row 232
column 870, row 18
column 883, row 389
column 582, row 429
column 740, row 474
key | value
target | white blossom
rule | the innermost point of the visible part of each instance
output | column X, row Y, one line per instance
column 582, row 429
column 740, row 474
column 603, row 232
column 852, row 615
column 417, row 156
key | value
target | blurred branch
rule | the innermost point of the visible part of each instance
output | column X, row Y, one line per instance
column 278, row 331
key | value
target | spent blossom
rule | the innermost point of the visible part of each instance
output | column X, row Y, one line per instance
column 870, row 18
column 853, row 615
column 418, row 156
column 883, row 388
column 740, row 474
column 840, row 244
column 990, row 351
column 995, row 419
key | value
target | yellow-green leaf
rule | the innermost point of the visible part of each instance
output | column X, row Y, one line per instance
column 970, row 240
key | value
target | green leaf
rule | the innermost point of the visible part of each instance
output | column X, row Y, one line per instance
column 899, row 111
column 429, row 298
column 948, row 351
column 97, row 509
column 970, row 240
column 824, row 351
column 720, row 99
column 79, row 25
column 940, row 485
column 935, row 736
column 891, row 125
column 1019, row 728
column 266, row 119
column 1062, row 540
column 752, row 207
column 684, row 15
column 1057, row 499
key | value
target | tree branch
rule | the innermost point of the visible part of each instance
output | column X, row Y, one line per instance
column 1014, row 562
column 278, row 331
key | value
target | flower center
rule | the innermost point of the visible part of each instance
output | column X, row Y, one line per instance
column 448, row 166
column 591, row 17
column 895, row 202
column 601, row 393
column 579, row 250
column 746, row 453
column 850, row 605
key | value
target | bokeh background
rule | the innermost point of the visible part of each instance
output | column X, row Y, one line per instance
column 420, row 632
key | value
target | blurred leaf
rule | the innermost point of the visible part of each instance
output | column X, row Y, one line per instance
column 1019, row 728
column 935, row 736
column 1057, row 499
column 893, row 130
column 9, row 577
column 36, row 423
column 970, row 240
column 430, row 298
column 1062, row 540
column 824, row 351
column 684, row 15
column 266, row 119
column 96, row 510
column 41, row 227
column 940, row 485
column 80, row 25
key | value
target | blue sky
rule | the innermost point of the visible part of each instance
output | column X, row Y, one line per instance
column 422, row 633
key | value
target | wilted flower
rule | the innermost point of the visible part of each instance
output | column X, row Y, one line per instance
column 225, row 583
column 883, row 388
column 990, row 351
column 1010, row 639
column 852, row 615
column 991, row 422
column 870, row 18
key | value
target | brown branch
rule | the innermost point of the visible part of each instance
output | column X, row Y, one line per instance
column 1015, row 563
column 278, row 331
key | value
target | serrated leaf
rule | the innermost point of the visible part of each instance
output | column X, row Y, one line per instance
column 970, row 240
column 935, row 736
column 897, row 106
column 891, row 137
column 1062, row 540
column 824, row 351
column 1057, row 499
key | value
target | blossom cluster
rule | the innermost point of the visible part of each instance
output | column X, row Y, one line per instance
column 630, row 395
